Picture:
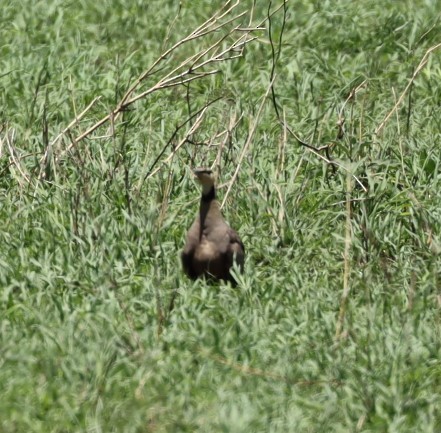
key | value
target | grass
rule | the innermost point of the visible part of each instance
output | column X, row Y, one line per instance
column 101, row 331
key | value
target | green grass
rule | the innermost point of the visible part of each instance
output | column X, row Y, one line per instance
column 100, row 331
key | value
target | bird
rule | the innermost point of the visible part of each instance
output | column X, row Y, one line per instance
column 212, row 246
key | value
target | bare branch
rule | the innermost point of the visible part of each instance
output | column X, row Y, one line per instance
column 193, row 35
column 14, row 158
column 248, row 142
column 347, row 260
column 316, row 151
column 64, row 131
column 192, row 68
column 191, row 131
column 227, row 132
column 419, row 68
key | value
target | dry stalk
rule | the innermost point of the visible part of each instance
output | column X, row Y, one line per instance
column 400, row 140
column 347, row 259
column 48, row 151
column 275, row 55
column 227, row 137
column 419, row 68
column 172, row 139
column 252, row 371
column 281, row 213
column 159, row 313
column 192, row 68
column 361, row 422
column 282, row 149
column 14, row 158
column 351, row 97
column 316, row 151
column 280, row 169
column 190, row 132
column 248, row 142
column 165, row 198
column 171, row 27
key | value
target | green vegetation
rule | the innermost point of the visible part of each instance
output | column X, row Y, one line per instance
column 99, row 329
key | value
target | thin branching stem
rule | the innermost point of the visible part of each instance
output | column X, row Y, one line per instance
column 419, row 68
column 248, row 142
column 346, row 259
column 192, row 68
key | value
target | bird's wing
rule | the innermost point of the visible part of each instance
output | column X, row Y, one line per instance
column 235, row 252
column 236, row 245
column 187, row 255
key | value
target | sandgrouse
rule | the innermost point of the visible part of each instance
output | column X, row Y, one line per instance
column 212, row 245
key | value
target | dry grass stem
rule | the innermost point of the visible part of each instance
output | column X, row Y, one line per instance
column 227, row 137
column 14, row 158
column 419, row 68
column 352, row 95
column 190, row 132
column 282, row 148
column 247, row 144
column 48, row 150
column 346, row 258
column 316, row 151
column 252, row 371
column 188, row 70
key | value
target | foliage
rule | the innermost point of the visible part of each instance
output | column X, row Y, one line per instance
column 100, row 330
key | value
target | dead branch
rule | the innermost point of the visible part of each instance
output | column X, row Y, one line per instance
column 275, row 56
column 48, row 150
column 198, row 115
column 14, row 158
column 192, row 68
column 347, row 260
column 253, row 371
column 248, row 142
column 191, row 131
column 419, row 68
column 227, row 133
column 316, row 151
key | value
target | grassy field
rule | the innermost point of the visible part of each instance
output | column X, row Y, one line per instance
column 335, row 325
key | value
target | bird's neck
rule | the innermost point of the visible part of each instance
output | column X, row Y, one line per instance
column 208, row 193
column 209, row 208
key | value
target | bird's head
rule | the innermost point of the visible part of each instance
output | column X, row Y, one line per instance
column 206, row 178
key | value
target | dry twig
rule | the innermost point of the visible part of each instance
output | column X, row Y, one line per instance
column 248, row 142
column 419, row 68
column 227, row 137
column 14, row 158
column 192, row 68
column 346, row 258
column 191, row 131
column 252, row 371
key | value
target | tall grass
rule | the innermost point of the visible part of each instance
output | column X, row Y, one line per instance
column 335, row 325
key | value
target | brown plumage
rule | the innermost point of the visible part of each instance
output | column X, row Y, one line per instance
column 212, row 245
